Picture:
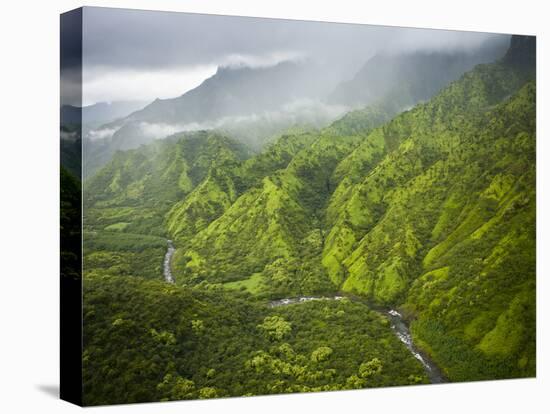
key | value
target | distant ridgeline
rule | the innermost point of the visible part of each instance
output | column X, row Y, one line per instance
column 253, row 105
column 431, row 210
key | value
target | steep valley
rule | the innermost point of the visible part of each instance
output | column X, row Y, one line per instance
column 430, row 211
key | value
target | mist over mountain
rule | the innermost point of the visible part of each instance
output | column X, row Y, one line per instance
column 413, row 76
column 98, row 113
column 77, row 122
column 239, row 90
column 421, row 205
column 254, row 104
column 250, row 103
column 521, row 53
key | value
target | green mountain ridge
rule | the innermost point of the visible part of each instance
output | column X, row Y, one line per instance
column 430, row 211
column 277, row 221
column 252, row 104
column 430, row 142
column 414, row 76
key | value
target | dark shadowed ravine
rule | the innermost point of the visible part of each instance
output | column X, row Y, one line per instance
column 398, row 325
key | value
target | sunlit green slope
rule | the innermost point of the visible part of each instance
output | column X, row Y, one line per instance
column 383, row 219
column 275, row 228
column 445, row 223
column 125, row 204
column 431, row 211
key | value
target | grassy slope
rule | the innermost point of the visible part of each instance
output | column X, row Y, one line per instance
column 429, row 203
column 433, row 211
column 275, row 227
column 225, row 181
column 446, row 223
column 127, row 201
column 435, row 146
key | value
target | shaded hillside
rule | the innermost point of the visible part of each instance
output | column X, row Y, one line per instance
column 250, row 104
column 407, row 78
column 98, row 113
column 233, row 91
column 70, row 225
column 71, row 149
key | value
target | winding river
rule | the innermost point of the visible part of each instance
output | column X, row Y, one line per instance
column 398, row 324
column 167, row 264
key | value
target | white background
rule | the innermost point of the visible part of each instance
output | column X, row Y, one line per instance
column 29, row 194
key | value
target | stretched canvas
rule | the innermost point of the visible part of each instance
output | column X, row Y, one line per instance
column 256, row 206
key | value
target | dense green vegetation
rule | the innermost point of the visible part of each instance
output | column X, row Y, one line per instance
column 430, row 211
column 121, row 253
column 71, row 149
column 70, row 225
column 445, row 224
column 147, row 341
column 278, row 219
column 125, row 203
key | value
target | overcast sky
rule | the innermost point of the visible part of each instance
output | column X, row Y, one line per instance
column 142, row 55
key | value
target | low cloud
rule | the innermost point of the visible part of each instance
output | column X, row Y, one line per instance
column 256, row 125
column 159, row 130
column 261, row 60
column 69, row 135
column 102, row 133
column 143, row 55
column 120, row 84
